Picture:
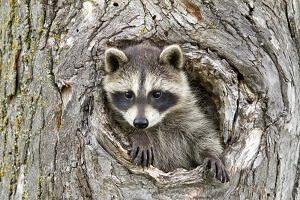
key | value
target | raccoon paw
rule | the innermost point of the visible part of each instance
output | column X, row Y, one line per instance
column 141, row 152
column 217, row 169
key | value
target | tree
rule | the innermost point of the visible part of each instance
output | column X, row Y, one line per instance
column 56, row 139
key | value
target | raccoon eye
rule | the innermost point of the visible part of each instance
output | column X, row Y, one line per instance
column 128, row 95
column 156, row 94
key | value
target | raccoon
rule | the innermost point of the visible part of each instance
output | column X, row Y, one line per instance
column 152, row 100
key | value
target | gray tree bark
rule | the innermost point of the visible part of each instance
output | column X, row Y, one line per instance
column 56, row 140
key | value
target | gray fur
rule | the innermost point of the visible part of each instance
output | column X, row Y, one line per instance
column 184, row 136
column 114, row 58
column 172, row 55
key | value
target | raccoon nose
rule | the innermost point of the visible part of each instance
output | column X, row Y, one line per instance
column 140, row 122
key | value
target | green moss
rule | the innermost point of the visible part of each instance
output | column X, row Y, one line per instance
column 41, row 29
column 13, row 180
column 17, row 134
column 39, row 185
column 56, row 61
column 33, row 46
column 56, row 36
column 18, row 122
column 24, row 195
column 15, row 46
column 13, row 4
column 13, row 17
column 27, row 58
column 143, row 30
column 3, row 117
column 25, row 35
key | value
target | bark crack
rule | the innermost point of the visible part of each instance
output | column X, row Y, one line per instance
column 292, row 33
column 292, row 27
column 82, row 133
column 51, row 16
column 84, row 186
column 296, row 187
column 267, row 47
column 277, row 177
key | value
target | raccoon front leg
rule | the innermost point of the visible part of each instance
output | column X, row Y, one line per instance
column 210, row 156
column 217, row 168
column 141, row 152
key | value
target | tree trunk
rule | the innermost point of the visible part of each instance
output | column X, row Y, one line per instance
column 56, row 140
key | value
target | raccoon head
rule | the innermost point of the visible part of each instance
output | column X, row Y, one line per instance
column 144, row 84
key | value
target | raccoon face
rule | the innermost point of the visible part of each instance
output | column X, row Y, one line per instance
column 144, row 83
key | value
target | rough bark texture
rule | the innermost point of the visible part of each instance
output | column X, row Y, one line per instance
column 56, row 140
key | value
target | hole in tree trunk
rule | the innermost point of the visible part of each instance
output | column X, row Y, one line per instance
column 205, row 99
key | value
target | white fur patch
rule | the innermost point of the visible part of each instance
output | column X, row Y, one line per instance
column 151, row 83
column 123, row 85
column 135, row 83
column 131, row 114
column 152, row 115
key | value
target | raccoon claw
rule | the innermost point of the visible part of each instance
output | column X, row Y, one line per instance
column 217, row 169
column 143, row 157
column 141, row 153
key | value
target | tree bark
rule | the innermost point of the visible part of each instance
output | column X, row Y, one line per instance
column 56, row 137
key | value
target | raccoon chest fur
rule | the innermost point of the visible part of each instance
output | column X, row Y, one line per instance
column 172, row 151
column 149, row 91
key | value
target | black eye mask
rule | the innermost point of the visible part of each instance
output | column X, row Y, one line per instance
column 164, row 102
column 120, row 100
column 161, row 102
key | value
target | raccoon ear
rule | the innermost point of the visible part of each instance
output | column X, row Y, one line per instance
column 114, row 58
column 172, row 55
